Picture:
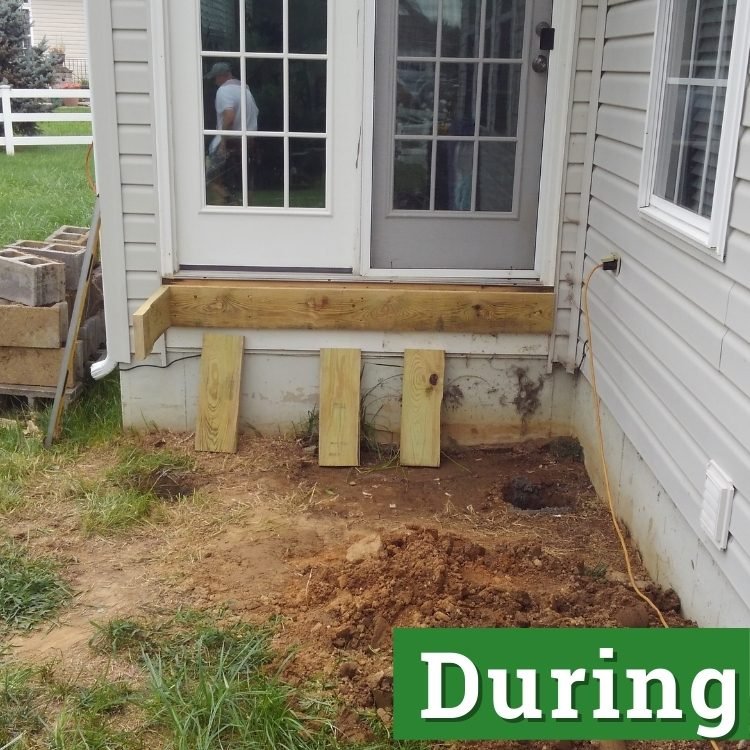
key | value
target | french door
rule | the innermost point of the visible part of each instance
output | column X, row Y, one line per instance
column 266, row 103
column 277, row 186
column 459, row 116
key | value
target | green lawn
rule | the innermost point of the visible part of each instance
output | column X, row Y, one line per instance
column 44, row 187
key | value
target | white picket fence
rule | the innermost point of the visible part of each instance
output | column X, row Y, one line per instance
column 8, row 117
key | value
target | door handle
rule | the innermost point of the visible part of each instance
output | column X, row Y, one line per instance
column 540, row 64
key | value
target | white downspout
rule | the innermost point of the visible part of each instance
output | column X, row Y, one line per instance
column 103, row 367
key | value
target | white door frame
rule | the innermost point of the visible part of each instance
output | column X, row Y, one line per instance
column 551, row 189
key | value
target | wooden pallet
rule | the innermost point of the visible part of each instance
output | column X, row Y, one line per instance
column 33, row 392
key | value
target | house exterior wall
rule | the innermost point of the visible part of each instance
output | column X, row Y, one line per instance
column 63, row 24
column 575, row 175
column 133, row 203
column 488, row 400
column 671, row 332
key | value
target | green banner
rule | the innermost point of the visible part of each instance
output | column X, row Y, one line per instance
column 577, row 684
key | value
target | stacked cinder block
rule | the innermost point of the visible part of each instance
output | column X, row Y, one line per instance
column 38, row 283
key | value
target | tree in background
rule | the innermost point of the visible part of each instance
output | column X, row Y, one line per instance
column 22, row 65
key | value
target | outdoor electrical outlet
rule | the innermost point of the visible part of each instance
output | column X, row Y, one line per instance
column 611, row 263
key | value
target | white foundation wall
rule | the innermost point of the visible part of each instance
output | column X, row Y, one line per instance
column 488, row 399
column 674, row 552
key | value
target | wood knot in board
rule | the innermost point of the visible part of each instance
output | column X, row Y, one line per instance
column 433, row 379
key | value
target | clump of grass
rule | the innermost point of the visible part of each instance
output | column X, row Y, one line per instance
column 120, row 636
column 151, row 472
column 11, row 495
column 20, row 455
column 67, row 715
column 107, row 510
column 306, row 432
column 212, row 685
column 30, row 590
column 19, row 702
column 94, row 417
column 131, row 489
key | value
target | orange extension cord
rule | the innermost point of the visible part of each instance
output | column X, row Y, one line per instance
column 600, row 436
column 87, row 168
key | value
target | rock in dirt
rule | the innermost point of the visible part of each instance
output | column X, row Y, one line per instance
column 385, row 717
column 632, row 617
column 364, row 549
column 615, row 576
column 382, row 698
column 348, row 669
column 381, row 629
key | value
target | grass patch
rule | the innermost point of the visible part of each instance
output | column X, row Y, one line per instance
column 47, row 712
column 132, row 489
column 93, row 418
column 66, row 128
column 20, row 454
column 156, row 473
column 30, row 590
column 206, row 685
column 107, row 510
column 213, row 686
column 41, row 189
column 19, row 703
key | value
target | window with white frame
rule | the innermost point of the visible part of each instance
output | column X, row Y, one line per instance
column 697, row 88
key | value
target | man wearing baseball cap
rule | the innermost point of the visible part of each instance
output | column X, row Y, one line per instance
column 227, row 151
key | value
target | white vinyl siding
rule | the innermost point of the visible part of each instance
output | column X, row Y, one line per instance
column 63, row 24
column 671, row 332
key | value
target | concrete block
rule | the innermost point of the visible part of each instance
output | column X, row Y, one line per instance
column 70, row 235
column 71, row 256
column 29, row 279
column 35, row 327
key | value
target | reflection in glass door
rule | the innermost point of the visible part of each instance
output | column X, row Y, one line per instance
column 265, row 76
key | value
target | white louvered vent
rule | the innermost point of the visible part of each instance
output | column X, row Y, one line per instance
column 716, row 511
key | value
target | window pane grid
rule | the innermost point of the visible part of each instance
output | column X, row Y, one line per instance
column 695, row 82
column 472, row 99
column 289, row 160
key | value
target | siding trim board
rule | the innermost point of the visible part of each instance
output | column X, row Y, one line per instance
column 109, row 179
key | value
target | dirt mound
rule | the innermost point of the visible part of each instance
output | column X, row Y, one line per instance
column 420, row 577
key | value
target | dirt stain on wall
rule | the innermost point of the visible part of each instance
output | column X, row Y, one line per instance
column 527, row 400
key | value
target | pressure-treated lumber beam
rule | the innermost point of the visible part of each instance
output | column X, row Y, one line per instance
column 150, row 321
column 364, row 307
column 343, row 306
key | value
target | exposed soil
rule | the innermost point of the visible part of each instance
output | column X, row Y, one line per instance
column 343, row 556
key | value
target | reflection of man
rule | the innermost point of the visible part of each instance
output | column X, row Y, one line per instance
column 226, row 151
